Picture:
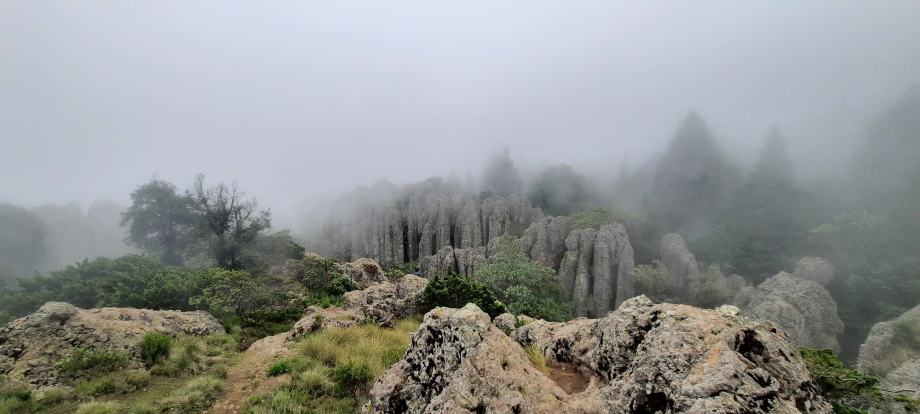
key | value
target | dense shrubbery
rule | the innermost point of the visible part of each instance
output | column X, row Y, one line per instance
column 85, row 363
column 154, row 347
column 455, row 291
column 522, row 284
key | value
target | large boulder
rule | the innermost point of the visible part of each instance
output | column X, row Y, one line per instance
column 597, row 269
column 641, row 358
column 30, row 346
column 544, row 241
column 815, row 269
column 679, row 261
column 364, row 271
column 891, row 352
column 803, row 308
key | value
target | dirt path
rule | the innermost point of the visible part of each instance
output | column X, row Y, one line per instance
column 247, row 377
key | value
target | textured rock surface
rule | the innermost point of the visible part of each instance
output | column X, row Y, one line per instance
column 681, row 263
column 413, row 222
column 597, row 269
column 364, row 271
column 642, row 358
column 463, row 261
column 31, row 345
column 544, row 241
column 896, row 363
column 815, row 269
column 385, row 302
column 804, row 309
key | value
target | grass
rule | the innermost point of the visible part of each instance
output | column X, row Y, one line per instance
column 537, row 358
column 154, row 347
column 99, row 407
column 196, row 395
column 84, row 363
column 191, row 355
column 121, row 382
column 334, row 368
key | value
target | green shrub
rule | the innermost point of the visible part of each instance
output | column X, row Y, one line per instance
column 654, row 280
column 121, row 382
column 314, row 271
column 849, row 390
column 90, row 363
column 155, row 347
column 353, row 377
column 455, row 291
column 342, row 284
column 278, row 368
column 196, row 395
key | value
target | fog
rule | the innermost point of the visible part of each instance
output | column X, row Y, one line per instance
column 294, row 100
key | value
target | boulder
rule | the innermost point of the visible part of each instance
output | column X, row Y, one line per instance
column 597, row 268
column 681, row 263
column 803, row 308
column 30, row 346
column 814, row 269
column 364, row 271
column 387, row 302
column 544, row 241
column 316, row 318
column 889, row 354
column 641, row 358
column 508, row 322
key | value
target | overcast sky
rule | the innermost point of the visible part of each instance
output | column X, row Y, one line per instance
column 293, row 99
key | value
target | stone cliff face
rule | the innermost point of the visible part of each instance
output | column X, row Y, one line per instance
column 681, row 263
column 422, row 221
column 597, row 269
column 890, row 352
column 641, row 358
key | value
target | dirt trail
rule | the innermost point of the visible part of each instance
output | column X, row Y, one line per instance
column 247, row 377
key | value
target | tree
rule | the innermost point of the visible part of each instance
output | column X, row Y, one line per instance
column 500, row 177
column 230, row 293
column 161, row 221
column 765, row 226
column 688, row 181
column 228, row 222
column 560, row 191
column 22, row 242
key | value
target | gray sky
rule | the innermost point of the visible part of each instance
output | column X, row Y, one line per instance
column 294, row 99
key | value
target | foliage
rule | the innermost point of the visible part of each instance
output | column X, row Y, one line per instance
column 99, row 407
column 154, row 347
column 314, row 271
column 121, row 382
column 333, row 369
column 196, row 395
column 192, row 355
column 455, row 291
column 341, row 284
column 537, row 358
column 560, row 191
column 523, row 284
column 278, row 368
column 654, row 280
column 161, row 221
column 271, row 249
column 847, row 389
column 86, row 363
column 228, row 223
column 229, row 293
column 712, row 290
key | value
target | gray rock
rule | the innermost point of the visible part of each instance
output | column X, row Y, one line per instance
column 884, row 355
column 597, row 269
column 680, row 262
column 641, row 358
column 364, row 271
column 804, row 309
column 544, row 241
column 815, row 269
column 454, row 260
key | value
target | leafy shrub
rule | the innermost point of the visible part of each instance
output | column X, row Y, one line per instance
column 90, row 363
column 849, row 390
column 654, row 280
column 523, row 284
column 154, row 347
column 713, row 289
column 455, row 291
column 341, row 284
column 353, row 377
column 278, row 368
column 314, row 271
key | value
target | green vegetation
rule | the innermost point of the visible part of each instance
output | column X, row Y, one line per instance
column 334, row 369
column 154, row 347
column 559, row 191
column 455, row 291
column 83, row 363
column 655, row 281
column 121, row 382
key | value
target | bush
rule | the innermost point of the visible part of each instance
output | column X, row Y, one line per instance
column 849, row 391
column 196, row 395
column 455, row 291
column 90, row 363
column 654, row 280
column 341, row 284
column 278, row 368
column 155, row 347
column 314, row 271
column 121, row 382
column 353, row 377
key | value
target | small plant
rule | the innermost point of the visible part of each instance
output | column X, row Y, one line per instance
column 537, row 358
column 353, row 377
column 317, row 322
column 121, row 382
column 279, row 368
column 455, row 291
column 90, row 363
column 155, row 347
column 342, row 284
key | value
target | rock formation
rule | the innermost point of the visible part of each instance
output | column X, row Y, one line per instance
column 641, row 358
column 597, row 268
column 814, row 269
column 30, row 346
column 384, row 302
column 891, row 352
column 804, row 309
column 364, row 271
column 544, row 241
column 462, row 261
column 681, row 263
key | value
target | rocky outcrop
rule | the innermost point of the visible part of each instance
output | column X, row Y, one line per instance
column 641, row 358
column 804, row 309
column 814, row 269
column 681, row 263
column 384, row 303
column 364, row 271
column 395, row 225
column 890, row 352
column 463, row 261
column 508, row 323
column 597, row 269
column 544, row 241
column 30, row 346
